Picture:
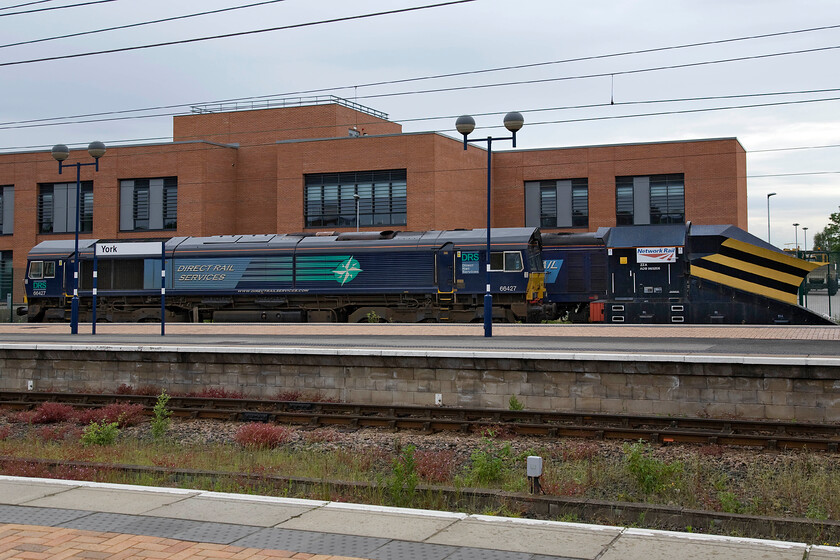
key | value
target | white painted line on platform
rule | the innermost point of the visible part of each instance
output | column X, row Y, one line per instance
column 710, row 538
column 263, row 499
column 396, row 510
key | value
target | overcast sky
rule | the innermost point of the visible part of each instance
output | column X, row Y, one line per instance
column 792, row 148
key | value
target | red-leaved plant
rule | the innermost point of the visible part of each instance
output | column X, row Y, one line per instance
column 262, row 436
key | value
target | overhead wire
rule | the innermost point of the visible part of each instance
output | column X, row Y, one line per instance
column 586, row 58
column 601, row 74
column 37, row 123
column 25, row 4
column 57, row 7
column 436, row 76
column 752, row 57
column 204, row 145
column 531, row 123
column 235, row 34
column 139, row 24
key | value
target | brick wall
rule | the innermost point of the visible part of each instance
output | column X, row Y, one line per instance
column 243, row 171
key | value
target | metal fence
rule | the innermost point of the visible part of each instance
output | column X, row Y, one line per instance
column 819, row 292
column 10, row 299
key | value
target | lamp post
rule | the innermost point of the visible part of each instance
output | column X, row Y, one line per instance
column 768, row 215
column 805, row 233
column 465, row 125
column 796, row 237
column 356, row 197
column 60, row 152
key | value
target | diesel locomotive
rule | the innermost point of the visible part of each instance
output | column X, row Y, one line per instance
column 675, row 273
column 389, row 276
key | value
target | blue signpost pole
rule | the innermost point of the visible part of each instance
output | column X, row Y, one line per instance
column 95, row 269
column 163, row 288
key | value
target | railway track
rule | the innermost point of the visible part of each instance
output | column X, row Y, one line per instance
column 725, row 432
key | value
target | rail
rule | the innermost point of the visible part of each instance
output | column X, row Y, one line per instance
column 708, row 431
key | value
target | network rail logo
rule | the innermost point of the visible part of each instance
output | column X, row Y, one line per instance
column 656, row 254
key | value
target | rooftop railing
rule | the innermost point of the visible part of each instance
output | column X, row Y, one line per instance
column 273, row 103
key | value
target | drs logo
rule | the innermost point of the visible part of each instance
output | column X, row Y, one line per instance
column 39, row 285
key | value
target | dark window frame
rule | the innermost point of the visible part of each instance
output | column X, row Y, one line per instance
column 46, row 223
column 141, row 209
column 579, row 208
column 673, row 196
column 329, row 199
column 624, row 201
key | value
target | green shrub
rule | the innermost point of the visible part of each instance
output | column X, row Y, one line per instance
column 402, row 485
column 161, row 420
column 104, row 433
column 650, row 473
column 488, row 463
column 514, row 404
column 729, row 502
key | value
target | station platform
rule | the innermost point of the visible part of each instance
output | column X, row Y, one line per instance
column 57, row 519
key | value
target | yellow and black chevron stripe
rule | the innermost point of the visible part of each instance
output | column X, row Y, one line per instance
column 754, row 269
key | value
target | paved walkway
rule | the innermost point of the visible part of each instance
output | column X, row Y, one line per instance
column 696, row 343
column 42, row 518
column 35, row 542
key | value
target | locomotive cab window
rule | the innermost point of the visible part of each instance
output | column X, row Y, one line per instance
column 507, row 261
column 49, row 269
column 36, row 270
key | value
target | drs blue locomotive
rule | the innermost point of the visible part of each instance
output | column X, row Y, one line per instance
column 676, row 273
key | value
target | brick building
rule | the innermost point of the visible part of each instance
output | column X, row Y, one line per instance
column 320, row 166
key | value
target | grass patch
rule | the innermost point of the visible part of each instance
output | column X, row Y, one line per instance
column 781, row 484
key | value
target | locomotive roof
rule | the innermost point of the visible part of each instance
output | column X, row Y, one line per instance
column 357, row 240
column 59, row 248
column 551, row 239
column 671, row 235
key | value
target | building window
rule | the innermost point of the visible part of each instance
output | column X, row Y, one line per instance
column 57, row 208
column 7, row 276
column 330, row 199
column 624, row 201
column 149, row 204
column 7, row 209
column 548, row 203
column 667, row 199
column 580, row 203
column 653, row 199
column 557, row 203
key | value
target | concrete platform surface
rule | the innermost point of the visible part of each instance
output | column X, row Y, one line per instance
column 41, row 518
column 756, row 344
